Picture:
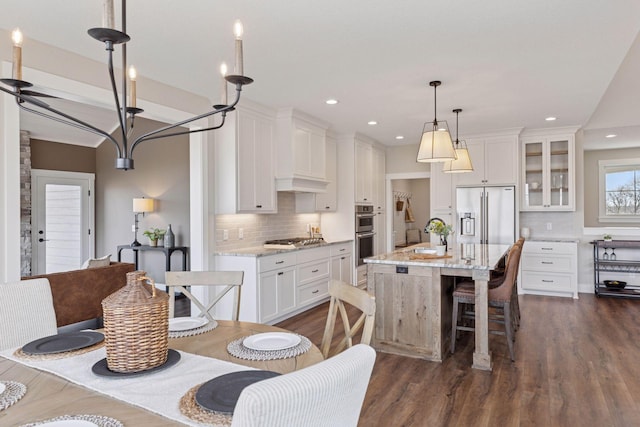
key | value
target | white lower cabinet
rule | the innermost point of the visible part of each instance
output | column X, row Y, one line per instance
column 278, row 286
column 549, row 268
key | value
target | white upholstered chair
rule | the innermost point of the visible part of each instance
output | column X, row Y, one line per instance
column 225, row 280
column 329, row 393
column 342, row 293
column 26, row 312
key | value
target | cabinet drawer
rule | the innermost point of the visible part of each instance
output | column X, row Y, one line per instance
column 560, row 263
column 312, row 292
column 340, row 249
column 313, row 271
column 546, row 282
column 315, row 254
column 273, row 262
column 549, row 248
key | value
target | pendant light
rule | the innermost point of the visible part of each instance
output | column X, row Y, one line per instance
column 462, row 164
column 436, row 144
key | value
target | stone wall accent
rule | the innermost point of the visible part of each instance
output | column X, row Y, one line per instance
column 25, row 204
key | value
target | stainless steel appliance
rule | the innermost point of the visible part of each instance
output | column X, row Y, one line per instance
column 364, row 232
column 293, row 243
column 486, row 214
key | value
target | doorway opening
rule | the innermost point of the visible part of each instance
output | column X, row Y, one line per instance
column 411, row 206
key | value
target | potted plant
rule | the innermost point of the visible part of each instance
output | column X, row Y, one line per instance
column 154, row 235
column 607, row 237
column 441, row 229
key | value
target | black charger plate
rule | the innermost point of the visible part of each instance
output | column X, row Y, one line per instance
column 61, row 343
column 101, row 369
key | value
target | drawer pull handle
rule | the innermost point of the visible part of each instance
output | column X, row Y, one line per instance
column 547, row 281
column 279, row 262
column 547, row 249
column 343, row 249
column 316, row 291
column 259, row 206
column 315, row 271
column 546, row 262
column 280, row 273
column 344, row 257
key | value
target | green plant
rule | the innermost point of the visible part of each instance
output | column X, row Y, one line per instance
column 607, row 237
column 439, row 227
column 155, row 233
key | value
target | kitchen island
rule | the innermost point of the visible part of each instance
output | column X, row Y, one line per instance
column 414, row 299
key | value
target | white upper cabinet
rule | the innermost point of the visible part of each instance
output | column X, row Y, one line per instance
column 327, row 201
column 379, row 174
column 301, row 152
column 495, row 161
column 244, row 155
column 364, row 172
column 441, row 194
column 548, row 174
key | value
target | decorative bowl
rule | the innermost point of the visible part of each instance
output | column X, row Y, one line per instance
column 615, row 284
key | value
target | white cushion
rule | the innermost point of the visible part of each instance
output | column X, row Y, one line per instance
column 97, row 262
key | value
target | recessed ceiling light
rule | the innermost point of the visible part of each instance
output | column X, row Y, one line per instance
column 372, row 123
column 331, row 101
column 399, row 137
column 611, row 135
column 550, row 119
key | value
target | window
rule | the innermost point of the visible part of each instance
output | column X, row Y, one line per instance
column 619, row 195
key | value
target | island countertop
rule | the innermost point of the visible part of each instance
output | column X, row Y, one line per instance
column 459, row 256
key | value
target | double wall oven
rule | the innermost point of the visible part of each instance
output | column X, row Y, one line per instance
column 364, row 232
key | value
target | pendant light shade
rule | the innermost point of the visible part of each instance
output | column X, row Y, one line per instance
column 462, row 163
column 436, row 144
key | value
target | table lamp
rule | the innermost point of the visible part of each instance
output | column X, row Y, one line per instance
column 140, row 206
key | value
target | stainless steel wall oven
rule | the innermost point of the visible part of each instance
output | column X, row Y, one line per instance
column 364, row 232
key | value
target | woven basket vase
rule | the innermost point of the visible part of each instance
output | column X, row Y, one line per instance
column 136, row 325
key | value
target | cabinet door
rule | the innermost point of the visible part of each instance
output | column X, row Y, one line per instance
column 363, row 153
column 378, row 163
column 256, row 175
column 533, row 180
column 327, row 202
column 500, row 161
column 380, row 239
column 560, row 186
column 277, row 293
column 441, row 189
column 346, row 266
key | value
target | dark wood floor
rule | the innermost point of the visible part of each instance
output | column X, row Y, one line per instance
column 577, row 363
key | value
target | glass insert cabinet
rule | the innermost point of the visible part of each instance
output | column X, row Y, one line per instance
column 548, row 175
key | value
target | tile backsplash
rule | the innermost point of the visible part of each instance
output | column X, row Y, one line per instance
column 258, row 228
column 563, row 224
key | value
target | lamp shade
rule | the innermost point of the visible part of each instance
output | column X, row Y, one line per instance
column 436, row 144
column 142, row 205
column 462, row 163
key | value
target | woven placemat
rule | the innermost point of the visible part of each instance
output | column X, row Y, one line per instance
column 12, row 393
column 428, row 256
column 197, row 331
column 236, row 348
column 190, row 409
column 54, row 356
column 98, row 420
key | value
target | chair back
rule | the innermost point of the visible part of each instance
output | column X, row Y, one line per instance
column 327, row 394
column 341, row 293
column 413, row 236
column 26, row 312
column 503, row 292
column 224, row 280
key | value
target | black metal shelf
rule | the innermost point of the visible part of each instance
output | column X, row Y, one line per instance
column 614, row 266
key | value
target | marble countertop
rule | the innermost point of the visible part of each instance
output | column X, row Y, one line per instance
column 463, row 256
column 555, row 239
column 259, row 251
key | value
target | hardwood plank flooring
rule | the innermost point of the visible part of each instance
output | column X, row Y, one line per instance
column 577, row 363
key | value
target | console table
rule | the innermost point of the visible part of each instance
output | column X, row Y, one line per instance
column 167, row 253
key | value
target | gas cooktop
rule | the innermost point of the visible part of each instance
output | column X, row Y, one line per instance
column 293, row 243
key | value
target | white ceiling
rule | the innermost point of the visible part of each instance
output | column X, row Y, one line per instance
column 506, row 63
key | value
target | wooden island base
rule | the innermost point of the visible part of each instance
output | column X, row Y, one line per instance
column 413, row 310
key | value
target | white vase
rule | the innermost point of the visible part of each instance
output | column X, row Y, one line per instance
column 441, row 250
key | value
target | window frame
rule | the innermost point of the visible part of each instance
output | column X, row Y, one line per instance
column 603, row 166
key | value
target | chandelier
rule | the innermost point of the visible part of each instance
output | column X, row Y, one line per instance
column 28, row 100
column 435, row 144
column 462, row 163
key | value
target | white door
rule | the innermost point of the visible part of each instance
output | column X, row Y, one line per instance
column 63, row 220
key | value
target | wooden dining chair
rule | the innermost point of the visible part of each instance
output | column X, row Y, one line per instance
column 342, row 293
column 500, row 298
column 329, row 393
column 26, row 312
column 225, row 281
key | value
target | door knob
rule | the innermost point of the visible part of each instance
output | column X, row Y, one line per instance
column 43, row 240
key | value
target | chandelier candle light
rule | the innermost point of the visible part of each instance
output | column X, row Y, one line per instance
column 436, row 144
column 28, row 100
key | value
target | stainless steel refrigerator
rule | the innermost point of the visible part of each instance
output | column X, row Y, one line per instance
column 486, row 215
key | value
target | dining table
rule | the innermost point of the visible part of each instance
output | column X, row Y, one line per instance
column 413, row 290
column 49, row 395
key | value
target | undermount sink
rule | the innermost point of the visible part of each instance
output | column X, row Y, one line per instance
column 424, row 250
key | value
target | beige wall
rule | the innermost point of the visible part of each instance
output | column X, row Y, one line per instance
column 162, row 173
column 591, row 159
column 62, row 157
column 402, row 159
